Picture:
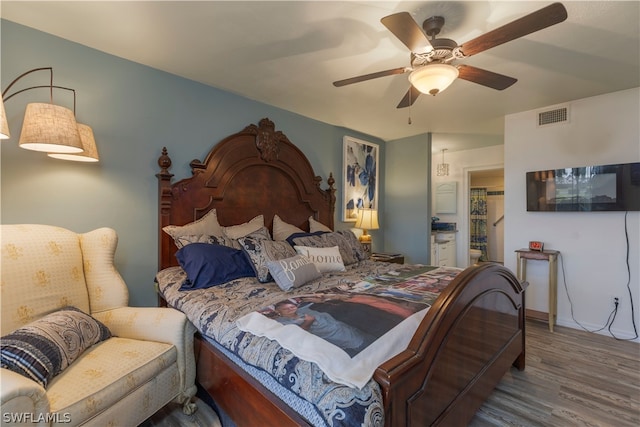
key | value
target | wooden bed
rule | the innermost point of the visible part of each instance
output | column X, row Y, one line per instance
column 468, row 340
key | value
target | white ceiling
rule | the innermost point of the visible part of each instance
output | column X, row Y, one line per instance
column 288, row 53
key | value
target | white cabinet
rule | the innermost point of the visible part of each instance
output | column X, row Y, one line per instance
column 446, row 197
column 446, row 254
column 443, row 249
column 433, row 260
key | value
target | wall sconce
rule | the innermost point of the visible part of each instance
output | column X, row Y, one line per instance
column 367, row 220
column 51, row 128
column 442, row 169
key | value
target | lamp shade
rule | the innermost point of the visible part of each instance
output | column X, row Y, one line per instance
column 90, row 150
column 367, row 219
column 433, row 78
column 50, row 128
column 4, row 125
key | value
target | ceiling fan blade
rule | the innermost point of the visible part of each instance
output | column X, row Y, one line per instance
column 407, row 30
column 409, row 98
column 543, row 18
column 484, row 77
column 364, row 77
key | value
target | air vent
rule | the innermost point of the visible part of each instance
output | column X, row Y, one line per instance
column 557, row 115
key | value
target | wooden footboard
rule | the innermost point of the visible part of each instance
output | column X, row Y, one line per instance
column 469, row 339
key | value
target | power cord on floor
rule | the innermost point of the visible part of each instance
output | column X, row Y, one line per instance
column 612, row 316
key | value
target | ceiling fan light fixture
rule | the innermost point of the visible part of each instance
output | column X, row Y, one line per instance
column 433, row 78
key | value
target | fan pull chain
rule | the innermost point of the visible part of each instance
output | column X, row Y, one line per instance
column 409, row 121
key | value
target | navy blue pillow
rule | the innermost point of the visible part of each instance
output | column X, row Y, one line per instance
column 209, row 265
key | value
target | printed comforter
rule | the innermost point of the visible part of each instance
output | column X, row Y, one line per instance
column 214, row 312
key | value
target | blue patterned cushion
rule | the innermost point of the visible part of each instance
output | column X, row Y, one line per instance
column 356, row 247
column 291, row 239
column 260, row 251
column 182, row 241
column 44, row 348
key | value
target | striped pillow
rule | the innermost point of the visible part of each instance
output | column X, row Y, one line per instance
column 44, row 348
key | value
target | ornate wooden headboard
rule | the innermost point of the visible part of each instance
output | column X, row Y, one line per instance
column 255, row 171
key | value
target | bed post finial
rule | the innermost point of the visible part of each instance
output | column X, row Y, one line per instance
column 331, row 194
column 164, row 161
column 164, row 207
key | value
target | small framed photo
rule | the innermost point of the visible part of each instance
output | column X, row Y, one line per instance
column 359, row 177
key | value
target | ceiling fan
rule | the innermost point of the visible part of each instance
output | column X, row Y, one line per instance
column 432, row 59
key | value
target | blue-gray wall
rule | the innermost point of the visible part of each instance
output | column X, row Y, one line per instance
column 134, row 111
column 407, row 198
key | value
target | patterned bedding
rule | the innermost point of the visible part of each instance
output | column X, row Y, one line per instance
column 214, row 311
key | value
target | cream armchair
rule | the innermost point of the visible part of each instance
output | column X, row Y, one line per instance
column 146, row 363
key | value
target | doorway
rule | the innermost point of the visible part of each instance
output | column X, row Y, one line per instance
column 486, row 231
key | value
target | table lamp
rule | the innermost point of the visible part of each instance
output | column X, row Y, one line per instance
column 367, row 220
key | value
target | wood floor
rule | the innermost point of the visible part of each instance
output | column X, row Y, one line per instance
column 572, row 378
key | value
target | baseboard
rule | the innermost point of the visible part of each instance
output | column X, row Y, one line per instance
column 537, row 315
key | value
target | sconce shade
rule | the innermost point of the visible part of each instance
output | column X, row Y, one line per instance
column 50, row 128
column 4, row 125
column 433, row 78
column 90, row 150
column 367, row 219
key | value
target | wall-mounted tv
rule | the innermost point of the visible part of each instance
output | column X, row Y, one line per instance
column 588, row 188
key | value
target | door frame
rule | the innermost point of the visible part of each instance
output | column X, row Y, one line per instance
column 466, row 189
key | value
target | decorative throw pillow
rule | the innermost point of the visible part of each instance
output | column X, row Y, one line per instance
column 182, row 241
column 356, row 247
column 208, row 225
column 291, row 239
column 282, row 230
column 261, row 234
column 326, row 259
column 326, row 240
column 292, row 272
column 261, row 251
column 209, row 265
column 317, row 226
column 236, row 231
column 42, row 349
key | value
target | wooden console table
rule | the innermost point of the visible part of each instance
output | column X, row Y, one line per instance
column 552, row 257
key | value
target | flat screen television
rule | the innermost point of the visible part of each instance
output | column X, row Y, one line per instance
column 588, row 188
